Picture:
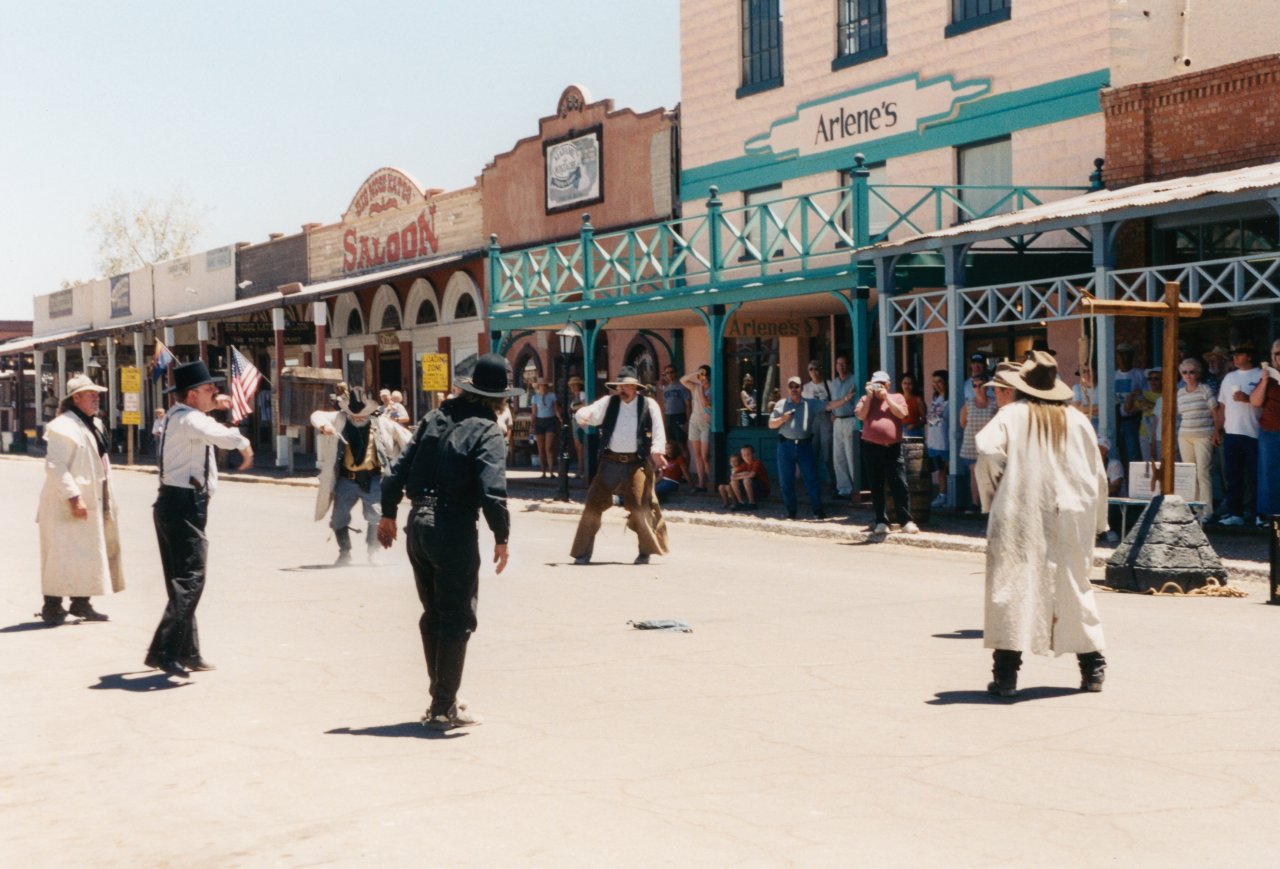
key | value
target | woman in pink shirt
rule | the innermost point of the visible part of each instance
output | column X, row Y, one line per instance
column 882, row 413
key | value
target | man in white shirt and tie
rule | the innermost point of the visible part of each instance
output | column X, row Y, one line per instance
column 188, row 479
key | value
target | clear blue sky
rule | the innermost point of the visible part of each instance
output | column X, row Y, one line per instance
column 270, row 114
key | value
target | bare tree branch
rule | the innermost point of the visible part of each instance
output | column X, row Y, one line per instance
column 133, row 231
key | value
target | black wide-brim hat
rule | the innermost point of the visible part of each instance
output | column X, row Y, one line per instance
column 189, row 375
column 491, row 377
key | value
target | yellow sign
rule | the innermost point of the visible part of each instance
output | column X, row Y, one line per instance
column 132, row 413
column 435, row 372
column 130, row 381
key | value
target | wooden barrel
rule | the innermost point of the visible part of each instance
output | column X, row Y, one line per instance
column 919, row 484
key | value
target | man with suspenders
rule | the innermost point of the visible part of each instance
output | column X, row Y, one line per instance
column 188, row 478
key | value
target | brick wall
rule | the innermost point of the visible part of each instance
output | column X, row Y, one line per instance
column 268, row 265
column 1222, row 118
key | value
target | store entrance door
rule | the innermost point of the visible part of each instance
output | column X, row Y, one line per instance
column 389, row 374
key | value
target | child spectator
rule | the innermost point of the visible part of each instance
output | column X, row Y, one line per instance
column 748, row 482
column 675, row 473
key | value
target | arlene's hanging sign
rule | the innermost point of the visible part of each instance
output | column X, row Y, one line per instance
column 892, row 108
column 389, row 221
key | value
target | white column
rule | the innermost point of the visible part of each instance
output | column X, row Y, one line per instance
column 37, row 360
column 60, row 388
column 113, row 388
column 284, row 444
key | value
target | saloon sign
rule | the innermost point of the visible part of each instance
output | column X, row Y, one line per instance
column 900, row 106
column 388, row 221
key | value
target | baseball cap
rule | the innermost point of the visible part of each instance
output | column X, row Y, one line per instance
column 977, row 357
column 794, row 381
column 880, row 377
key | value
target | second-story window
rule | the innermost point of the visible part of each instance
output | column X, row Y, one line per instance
column 860, row 32
column 985, row 172
column 969, row 15
column 761, row 46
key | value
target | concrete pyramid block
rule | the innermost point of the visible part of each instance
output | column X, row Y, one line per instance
column 1166, row 544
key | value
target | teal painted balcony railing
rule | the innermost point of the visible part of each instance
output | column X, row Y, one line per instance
column 791, row 239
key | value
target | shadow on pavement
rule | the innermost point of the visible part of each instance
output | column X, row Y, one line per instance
column 409, row 729
column 137, row 682
column 26, row 626
column 982, row 698
column 961, row 634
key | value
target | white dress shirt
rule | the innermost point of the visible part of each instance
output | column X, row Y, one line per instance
column 624, row 428
column 186, row 449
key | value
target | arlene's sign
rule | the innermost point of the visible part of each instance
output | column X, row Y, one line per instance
column 891, row 108
column 376, row 233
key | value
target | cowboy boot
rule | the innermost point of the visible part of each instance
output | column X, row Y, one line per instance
column 343, row 536
column 1004, row 671
column 52, row 612
column 1093, row 671
column 82, row 609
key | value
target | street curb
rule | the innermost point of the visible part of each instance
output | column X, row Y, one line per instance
column 1238, row 571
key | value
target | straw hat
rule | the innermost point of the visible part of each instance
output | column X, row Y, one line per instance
column 1038, row 377
column 80, row 383
column 627, row 376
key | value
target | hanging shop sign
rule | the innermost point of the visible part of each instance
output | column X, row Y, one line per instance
column 750, row 327
column 879, row 111
column 263, row 333
column 388, row 341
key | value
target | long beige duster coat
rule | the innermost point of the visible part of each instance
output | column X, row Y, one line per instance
column 77, row 556
column 390, row 439
column 1046, row 511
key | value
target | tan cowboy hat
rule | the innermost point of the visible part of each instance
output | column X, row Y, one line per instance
column 627, row 376
column 1000, row 377
column 1218, row 350
column 1038, row 377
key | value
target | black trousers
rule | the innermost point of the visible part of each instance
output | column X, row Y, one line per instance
column 445, row 555
column 885, row 464
column 180, row 516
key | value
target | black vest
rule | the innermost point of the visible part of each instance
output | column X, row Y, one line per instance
column 644, row 425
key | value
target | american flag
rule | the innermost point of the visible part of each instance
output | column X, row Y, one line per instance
column 245, row 380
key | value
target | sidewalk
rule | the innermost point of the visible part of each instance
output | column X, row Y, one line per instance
column 1244, row 551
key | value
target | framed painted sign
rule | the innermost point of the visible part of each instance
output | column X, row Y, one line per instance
column 574, row 170
column 120, row 306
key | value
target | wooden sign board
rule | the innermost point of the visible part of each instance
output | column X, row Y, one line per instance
column 130, row 380
column 132, row 413
column 435, row 372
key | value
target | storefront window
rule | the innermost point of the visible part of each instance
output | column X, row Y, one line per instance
column 751, row 381
column 1221, row 239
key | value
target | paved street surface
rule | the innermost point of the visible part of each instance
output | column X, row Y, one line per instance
column 827, row 710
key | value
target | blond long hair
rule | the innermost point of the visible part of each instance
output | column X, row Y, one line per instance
column 1048, row 422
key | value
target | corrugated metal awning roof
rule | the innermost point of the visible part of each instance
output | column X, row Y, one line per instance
column 1138, row 201
column 312, row 292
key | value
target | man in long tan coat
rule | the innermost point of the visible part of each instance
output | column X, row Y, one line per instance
column 1040, row 476
column 79, row 535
